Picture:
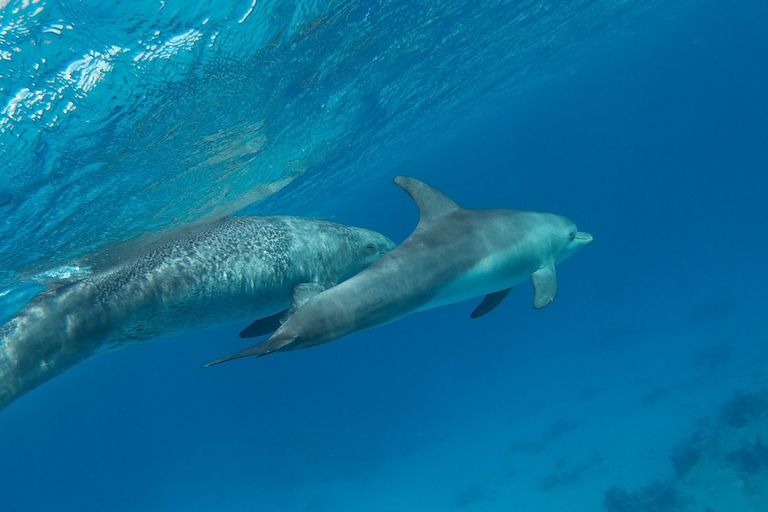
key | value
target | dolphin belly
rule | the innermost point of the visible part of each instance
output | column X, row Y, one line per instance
column 491, row 274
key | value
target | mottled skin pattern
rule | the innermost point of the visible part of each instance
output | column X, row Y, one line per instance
column 244, row 268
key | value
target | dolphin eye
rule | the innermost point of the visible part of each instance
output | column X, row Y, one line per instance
column 572, row 235
column 370, row 247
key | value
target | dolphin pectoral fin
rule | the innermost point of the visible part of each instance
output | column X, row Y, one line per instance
column 545, row 283
column 301, row 294
column 273, row 344
column 264, row 326
column 489, row 303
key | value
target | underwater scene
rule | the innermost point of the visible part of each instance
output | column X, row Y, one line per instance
column 497, row 255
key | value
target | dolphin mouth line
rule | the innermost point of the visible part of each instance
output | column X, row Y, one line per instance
column 583, row 237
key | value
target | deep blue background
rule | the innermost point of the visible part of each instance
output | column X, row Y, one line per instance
column 657, row 145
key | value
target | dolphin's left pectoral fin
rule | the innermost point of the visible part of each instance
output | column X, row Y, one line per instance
column 489, row 303
column 301, row 294
column 545, row 283
column 264, row 326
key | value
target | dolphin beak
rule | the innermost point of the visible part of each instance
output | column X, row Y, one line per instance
column 584, row 237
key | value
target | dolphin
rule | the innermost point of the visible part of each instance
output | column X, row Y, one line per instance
column 454, row 254
column 240, row 268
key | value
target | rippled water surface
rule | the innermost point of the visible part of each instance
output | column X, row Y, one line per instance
column 125, row 117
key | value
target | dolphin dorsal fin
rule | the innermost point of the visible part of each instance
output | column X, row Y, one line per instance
column 431, row 202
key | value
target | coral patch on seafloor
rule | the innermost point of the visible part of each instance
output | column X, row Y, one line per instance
column 721, row 467
column 654, row 498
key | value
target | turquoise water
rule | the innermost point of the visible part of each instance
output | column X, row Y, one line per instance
column 644, row 122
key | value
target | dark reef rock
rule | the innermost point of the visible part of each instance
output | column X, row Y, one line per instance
column 684, row 460
column 722, row 467
column 743, row 408
column 658, row 394
column 562, row 475
column 561, row 478
column 655, row 498
column 686, row 455
column 751, row 458
column 468, row 497
column 559, row 428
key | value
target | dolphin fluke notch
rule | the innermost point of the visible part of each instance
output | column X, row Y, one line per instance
column 431, row 202
column 273, row 344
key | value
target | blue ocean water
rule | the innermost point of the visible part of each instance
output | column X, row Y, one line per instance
column 644, row 122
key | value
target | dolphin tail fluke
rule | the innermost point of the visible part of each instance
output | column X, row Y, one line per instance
column 273, row 344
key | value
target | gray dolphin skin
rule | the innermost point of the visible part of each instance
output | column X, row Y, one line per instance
column 240, row 269
column 454, row 254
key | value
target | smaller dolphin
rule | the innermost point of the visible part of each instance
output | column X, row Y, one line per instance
column 454, row 254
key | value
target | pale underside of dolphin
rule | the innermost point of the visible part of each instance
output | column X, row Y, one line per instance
column 244, row 267
column 454, row 254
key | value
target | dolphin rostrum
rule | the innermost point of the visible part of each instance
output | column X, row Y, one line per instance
column 243, row 267
column 454, row 254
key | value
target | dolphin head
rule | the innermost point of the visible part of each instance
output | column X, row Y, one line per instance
column 566, row 238
column 365, row 247
column 373, row 245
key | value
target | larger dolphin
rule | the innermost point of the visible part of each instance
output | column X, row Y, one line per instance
column 242, row 268
column 454, row 254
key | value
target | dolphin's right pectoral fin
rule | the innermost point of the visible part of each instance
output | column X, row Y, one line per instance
column 273, row 344
column 545, row 283
column 489, row 303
